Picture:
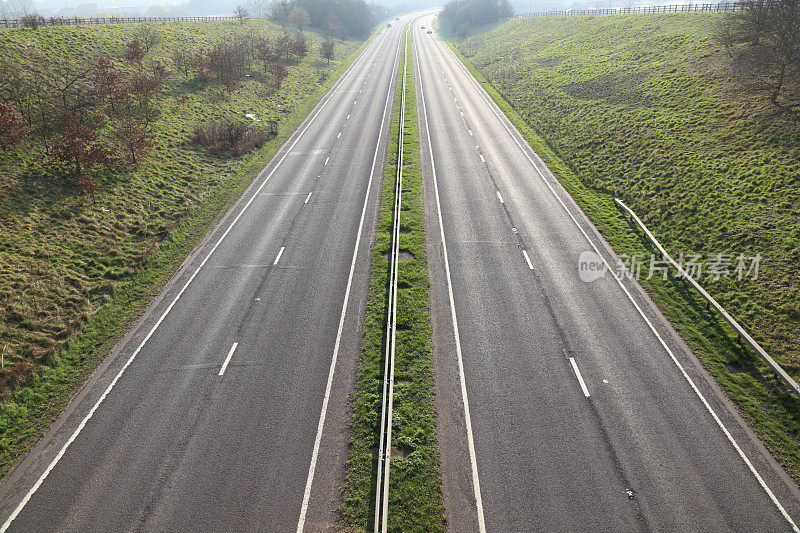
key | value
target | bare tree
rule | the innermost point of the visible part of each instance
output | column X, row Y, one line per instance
column 148, row 36
column 764, row 44
column 240, row 13
column 33, row 21
column 283, row 46
column 19, row 8
column 258, row 8
column 182, row 60
column 247, row 40
column 53, row 88
column 279, row 11
column 12, row 81
column 266, row 53
column 751, row 23
column 326, row 49
column 299, row 18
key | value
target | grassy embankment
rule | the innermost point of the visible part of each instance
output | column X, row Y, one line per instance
column 75, row 275
column 642, row 108
column 415, row 502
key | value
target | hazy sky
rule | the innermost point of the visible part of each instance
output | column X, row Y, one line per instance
column 140, row 7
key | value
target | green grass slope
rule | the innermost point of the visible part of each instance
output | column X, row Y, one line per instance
column 642, row 108
column 74, row 274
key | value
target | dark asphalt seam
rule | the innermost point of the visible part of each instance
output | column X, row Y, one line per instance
column 254, row 300
column 180, row 445
column 284, row 241
column 622, row 472
column 508, row 216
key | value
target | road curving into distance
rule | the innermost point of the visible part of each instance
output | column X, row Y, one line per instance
column 563, row 405
column 225, row 408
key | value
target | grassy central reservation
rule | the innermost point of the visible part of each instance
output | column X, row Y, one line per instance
column 643, row 108
column 415, row 494
column 75, row 273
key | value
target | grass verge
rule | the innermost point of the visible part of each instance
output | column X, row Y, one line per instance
column 761, row 398
column 203, row 187
column 415, row 500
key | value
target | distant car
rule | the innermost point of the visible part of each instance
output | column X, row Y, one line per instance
column 388, row 24
column 423, row 26
column 430, row 31
column 397, row 18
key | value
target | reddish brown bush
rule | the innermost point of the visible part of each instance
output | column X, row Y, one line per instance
column 108, row 82
column 278, row 72
column 12, row 130
column 145, row 86
column 135, row 136
column 159, row 71
column 266, row 53
column 299, row 47
column 229, row 138
column 134, row 52
column 88, row 184
column 79, row 147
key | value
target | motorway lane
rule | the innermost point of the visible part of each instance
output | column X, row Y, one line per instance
column 177, row 446
column 642, row 451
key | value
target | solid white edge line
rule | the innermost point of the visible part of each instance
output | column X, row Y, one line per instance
column 580, row 378
column 467, row 419
column 499, row 197
column 278, row 257
column 228, row 359
column 150, row 333
column 315, row 453
column 663, row 343
column 527, row 259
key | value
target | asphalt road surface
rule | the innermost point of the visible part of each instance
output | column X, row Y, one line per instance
column 207, row 416
column 563, row 405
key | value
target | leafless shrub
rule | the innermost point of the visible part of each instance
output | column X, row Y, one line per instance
column 240, row 13
column 148, row 36
column 33, row 21
column 228, row 138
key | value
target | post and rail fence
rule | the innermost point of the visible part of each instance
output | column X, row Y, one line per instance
column 675, row 8
column 76, row 21
column 712, row 303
